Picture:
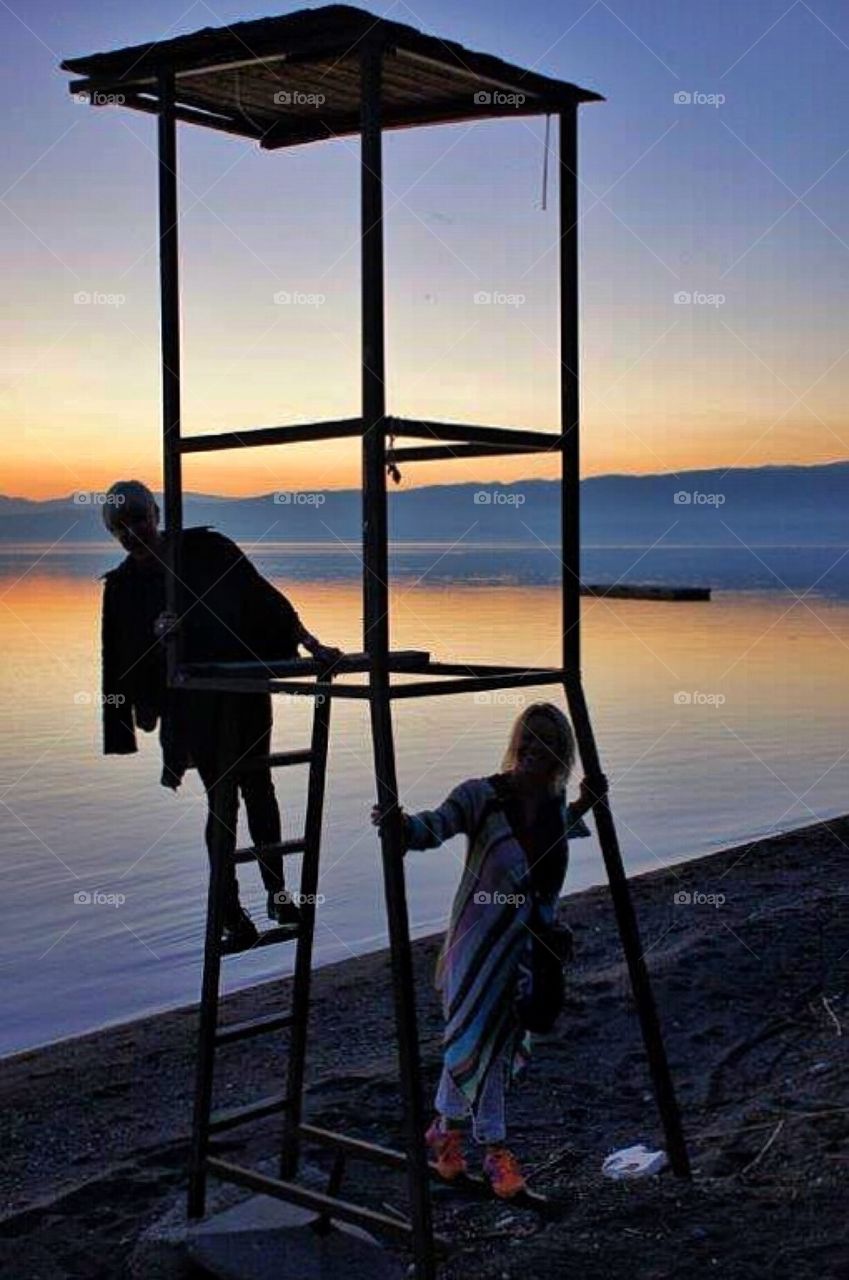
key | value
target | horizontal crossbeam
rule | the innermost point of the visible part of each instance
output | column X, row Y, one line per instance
column 282, row 849
column 491, row 440
column 234, row 1116
column 469, row 678
column 334, row 126
column 489, row 669
column 276, row 760
column 251, row 1027
column 480, row 684
column 442, row 452
column 268, row 938
column 354, row 1146
column 251, row 436
column 255, row 684
column 344, row 1210
column 399, row 660
column 467, row 433
column 187, row 115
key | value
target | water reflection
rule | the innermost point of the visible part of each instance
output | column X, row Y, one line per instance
column 716, row 722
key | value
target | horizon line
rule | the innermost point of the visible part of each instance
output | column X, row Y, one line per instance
column 490, row 484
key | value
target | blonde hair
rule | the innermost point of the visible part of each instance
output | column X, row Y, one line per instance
column 564, row 750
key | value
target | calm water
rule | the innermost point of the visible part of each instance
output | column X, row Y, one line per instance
column 757, row 743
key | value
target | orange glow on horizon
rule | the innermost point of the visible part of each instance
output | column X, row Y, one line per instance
column 335, row 465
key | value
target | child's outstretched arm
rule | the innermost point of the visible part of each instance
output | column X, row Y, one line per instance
column 432, row 827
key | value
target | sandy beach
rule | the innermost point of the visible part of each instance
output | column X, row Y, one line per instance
column 749, row 953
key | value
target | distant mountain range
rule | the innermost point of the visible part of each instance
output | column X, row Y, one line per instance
column 781, row 505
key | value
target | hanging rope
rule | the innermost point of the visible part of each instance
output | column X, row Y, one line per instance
column 545, row 164
column 391, row 467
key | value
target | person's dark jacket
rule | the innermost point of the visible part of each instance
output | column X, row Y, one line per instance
column 229, row 612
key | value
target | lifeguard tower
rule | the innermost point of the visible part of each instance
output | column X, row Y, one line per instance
column 261, row 80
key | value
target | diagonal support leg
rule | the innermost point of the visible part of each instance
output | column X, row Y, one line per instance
column 626, row 919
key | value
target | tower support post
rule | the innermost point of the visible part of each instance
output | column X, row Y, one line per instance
column 376, row 645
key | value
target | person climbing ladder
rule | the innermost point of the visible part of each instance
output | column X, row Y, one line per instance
column 231, row 613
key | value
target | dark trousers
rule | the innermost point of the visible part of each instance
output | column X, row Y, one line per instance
column 226, row 730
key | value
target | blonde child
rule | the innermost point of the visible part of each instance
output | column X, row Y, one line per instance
column 517, row 824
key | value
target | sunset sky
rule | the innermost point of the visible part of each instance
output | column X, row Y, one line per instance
column 745, row 201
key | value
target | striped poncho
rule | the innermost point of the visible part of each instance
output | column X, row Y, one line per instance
column 486, row 954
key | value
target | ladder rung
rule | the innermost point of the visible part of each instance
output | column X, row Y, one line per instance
column 278, row 933
column 250, row 853
column 230, row 1117
column 253, row 1027
column 354, row 1146
column 326, row 1205
column 277, row 760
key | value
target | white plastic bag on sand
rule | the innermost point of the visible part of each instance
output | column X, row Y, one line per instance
column 634, row 1162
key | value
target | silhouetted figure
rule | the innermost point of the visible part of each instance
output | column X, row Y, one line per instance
column 500, row 972
column 230, row 613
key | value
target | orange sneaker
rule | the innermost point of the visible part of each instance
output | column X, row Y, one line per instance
column 505, row 1176
column 445, row 1147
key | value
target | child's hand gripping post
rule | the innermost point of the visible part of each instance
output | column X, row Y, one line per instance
column 592, row 789
column 381, row 818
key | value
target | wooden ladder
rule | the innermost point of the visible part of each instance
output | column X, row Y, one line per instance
column 223, row 801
